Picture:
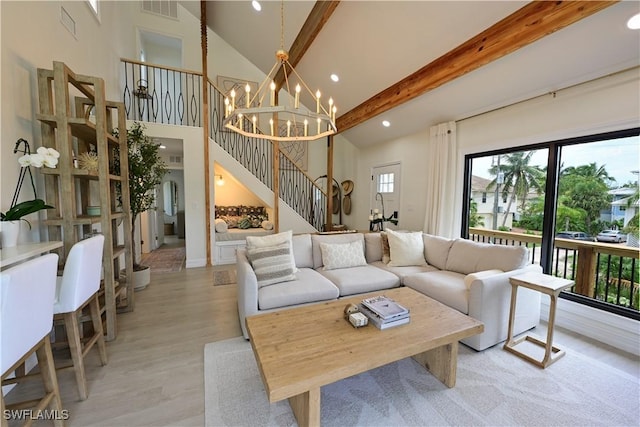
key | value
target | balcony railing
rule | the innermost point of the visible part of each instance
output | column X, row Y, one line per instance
column 604, row 272
column 160, row 94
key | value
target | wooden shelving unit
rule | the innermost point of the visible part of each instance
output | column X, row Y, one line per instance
column 76, row 118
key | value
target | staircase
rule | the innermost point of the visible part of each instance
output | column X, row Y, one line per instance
column 173, row 96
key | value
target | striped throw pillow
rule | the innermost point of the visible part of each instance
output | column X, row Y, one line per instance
column 272, row 264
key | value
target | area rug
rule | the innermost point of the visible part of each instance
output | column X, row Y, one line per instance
column 493, row 388
column 165, row 260
column 224, row 277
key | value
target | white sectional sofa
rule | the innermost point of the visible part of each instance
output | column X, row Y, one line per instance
column 470, row 277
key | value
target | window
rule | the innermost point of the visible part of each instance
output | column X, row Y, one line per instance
column 484, row 197
column 94, row 5
column 559, row 190
column 385, row 183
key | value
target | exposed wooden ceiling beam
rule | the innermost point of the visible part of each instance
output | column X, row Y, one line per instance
column 530, row 23
column 318, row 16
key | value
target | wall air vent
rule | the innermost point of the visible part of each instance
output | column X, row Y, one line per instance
column 68, row 22
column 166, row 8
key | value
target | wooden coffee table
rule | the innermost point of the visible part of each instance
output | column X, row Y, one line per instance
column 301, row 349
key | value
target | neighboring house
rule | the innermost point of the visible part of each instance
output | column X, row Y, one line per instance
column 484, row 197
column 619, row 210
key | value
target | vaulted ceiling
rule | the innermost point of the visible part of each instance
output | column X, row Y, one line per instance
column 373, row 45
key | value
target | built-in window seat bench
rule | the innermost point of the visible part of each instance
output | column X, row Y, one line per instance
column 232, row 225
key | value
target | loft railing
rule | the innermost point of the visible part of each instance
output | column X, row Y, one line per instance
column 160, row 94
column 608, row 273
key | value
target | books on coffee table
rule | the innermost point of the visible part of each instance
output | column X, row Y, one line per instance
column 384, row 307
column 384, row 312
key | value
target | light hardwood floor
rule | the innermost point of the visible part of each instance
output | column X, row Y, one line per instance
column 155, row 374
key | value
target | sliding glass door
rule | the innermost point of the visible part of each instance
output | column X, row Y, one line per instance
column 557, row 198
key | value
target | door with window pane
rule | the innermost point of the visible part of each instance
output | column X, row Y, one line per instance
column 385, row 191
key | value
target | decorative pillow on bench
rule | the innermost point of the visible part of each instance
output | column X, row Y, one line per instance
column 242, row 216
column 220, row 225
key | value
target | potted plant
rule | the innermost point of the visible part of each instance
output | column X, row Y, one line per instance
column 10, row 220
column 146, row 170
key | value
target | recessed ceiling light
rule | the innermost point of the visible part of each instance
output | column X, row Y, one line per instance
column 256, row 5
column 335, row 78
column 634, row 22
column 163, row 146
column 386, row 123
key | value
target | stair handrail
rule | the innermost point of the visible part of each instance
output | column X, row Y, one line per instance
column 220, row 92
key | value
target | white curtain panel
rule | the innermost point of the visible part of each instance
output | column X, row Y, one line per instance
column 441, row 172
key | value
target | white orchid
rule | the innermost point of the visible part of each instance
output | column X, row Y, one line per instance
column 37, row 160
column 50, row 156
column 43, row 157
column 25, row 160
column 48, row 152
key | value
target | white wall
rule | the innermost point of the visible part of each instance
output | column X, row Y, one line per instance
column 411, row 153
column 233, row 192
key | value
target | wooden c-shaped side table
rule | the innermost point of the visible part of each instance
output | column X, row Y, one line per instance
column 545, row 284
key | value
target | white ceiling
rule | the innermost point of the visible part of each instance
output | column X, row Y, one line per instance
column 373, row 44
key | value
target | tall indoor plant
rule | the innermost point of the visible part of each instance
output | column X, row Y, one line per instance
column 146, row 170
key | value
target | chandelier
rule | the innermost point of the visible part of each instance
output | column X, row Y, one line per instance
column 263, row 116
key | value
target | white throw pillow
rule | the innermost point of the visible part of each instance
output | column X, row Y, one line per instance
column 272, row 240
column 220, row 225
column 469, row 278
column 272, row 264
column 342, row 255
column 405, row 248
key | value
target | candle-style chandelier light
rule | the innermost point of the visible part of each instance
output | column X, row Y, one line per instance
column 263, row 116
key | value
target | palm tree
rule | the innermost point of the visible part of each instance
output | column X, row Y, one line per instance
column 519, row 178
column 589, row 171
column 586, row 188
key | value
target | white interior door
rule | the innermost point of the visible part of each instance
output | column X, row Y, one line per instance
column 385, row 190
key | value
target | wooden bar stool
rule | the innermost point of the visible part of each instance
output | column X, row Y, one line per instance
column 76, row 289
column 27, row 293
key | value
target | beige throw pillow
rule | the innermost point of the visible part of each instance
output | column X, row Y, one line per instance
column 342, row 255
column 406, row 248
column 272, row 264
column 272, row 240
